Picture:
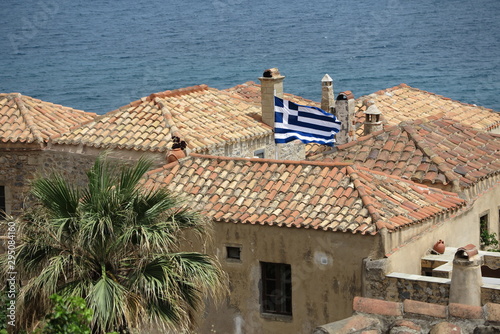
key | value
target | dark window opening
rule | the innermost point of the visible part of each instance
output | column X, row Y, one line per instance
column 488, row 272
column 2, row 202
column 276, row 288
column 483, row 229
column 233, row 252
column 259, row 154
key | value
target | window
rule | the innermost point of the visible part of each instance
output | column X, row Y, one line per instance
column 259, row 154
column 233, row 252
column 276, row 288
column 2, row 202
column 484, row 233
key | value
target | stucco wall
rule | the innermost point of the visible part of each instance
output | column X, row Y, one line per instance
column 410, row 244
column 485, row 198
column 326, row 275
column 405, row 247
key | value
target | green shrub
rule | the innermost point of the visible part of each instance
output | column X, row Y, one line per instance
column 69, row 316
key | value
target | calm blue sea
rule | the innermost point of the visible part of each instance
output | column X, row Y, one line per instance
column 100, row 55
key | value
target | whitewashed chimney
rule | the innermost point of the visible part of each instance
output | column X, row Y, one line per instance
column 327, row 97
column 466, row 279
column 271, row 84
column 345, row 113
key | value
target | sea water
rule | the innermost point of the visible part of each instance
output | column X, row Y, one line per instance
column 100, row 55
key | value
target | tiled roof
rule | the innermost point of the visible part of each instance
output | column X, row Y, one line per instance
column 405, row 103
column 204, row 117
column 24, row 119
column 317, row 195
column 397, row 104
column 434, row 150
column 250, row 92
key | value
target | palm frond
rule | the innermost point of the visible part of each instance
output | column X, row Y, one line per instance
column 57, row 196
column 130, row 177
column 116, row 246
column 107, row 299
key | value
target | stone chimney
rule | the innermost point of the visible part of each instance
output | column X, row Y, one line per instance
column 466, row 279
column 372, row 119
column 271, row 85
column 327, row 97
column 344, row 111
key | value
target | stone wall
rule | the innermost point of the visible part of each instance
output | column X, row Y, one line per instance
column 20, row 168
column 398, row 287
column 246, row 149
column 291, row 151
column 385, row 317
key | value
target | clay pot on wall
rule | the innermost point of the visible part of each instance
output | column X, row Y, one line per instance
column 439, row 246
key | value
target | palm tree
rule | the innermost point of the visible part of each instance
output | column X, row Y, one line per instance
column 117, row 247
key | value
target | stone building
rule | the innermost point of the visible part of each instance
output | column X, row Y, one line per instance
column 26, row 124
column 293, row 235
column 37, row 135
column 299, row 239
column 210, row 121
column 436, row 152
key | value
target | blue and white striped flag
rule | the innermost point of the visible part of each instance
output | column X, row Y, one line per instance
column 308, row 124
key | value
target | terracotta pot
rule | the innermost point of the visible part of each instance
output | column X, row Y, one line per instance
column 175, row 155
column 439, row 246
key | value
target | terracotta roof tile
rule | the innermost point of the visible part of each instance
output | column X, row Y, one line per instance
column 202, row 116
column 426, row 153
column 24, row 119
column 250, row 92
column 319, row 195
column 405, row 103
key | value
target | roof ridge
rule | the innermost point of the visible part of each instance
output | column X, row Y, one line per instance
column 245, row 84
column 426, row 149
column 383, row 91
column 169, row 119
column 413, row 185
column 178, row 92
column 261, row 160
column 366, row 199
column 235, row 95
column 17, row 97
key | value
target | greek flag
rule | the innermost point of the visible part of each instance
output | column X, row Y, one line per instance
column 308, row 124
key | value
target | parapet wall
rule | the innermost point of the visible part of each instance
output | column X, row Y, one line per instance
column 398, row 287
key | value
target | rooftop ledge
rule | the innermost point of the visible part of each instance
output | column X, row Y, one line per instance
column 441, row 267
